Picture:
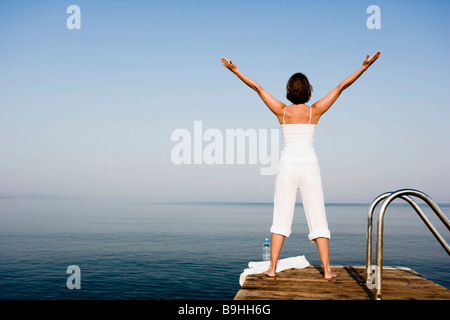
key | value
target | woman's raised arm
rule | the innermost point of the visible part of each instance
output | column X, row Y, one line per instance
column 274, row 105
column 325, row 103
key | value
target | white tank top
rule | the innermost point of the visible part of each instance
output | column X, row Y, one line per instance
column 298, row 139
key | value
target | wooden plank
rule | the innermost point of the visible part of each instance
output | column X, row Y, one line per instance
column 309, row 284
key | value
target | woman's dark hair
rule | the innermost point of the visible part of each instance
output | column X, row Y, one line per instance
column 298, row 89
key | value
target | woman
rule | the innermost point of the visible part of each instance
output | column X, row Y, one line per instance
column 299, row 168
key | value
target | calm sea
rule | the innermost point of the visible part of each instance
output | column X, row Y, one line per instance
column 136, row 250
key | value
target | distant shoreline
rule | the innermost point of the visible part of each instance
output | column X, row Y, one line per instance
column 38, row 196
column 330, row 204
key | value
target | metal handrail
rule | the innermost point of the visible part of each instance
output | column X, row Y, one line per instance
column 388, row 197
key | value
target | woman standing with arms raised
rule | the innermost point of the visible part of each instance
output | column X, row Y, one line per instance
column 299, row 167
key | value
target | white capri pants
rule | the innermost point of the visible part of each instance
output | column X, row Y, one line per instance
column 304, row 174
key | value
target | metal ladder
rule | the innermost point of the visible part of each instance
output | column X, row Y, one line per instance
column 388, row 197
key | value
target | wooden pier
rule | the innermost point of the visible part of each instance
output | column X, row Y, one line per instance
column 308, row 284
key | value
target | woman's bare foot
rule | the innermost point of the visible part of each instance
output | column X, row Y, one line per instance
column 269, row 273
column 328, row 274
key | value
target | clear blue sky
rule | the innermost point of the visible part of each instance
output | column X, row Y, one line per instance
column 90, row 112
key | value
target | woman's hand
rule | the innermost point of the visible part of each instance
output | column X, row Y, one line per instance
column 368, row 62
column 326, row 102
column 274, row 105
column 229, row 64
